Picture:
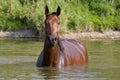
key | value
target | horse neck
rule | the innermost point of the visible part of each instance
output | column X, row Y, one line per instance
column 51, row 55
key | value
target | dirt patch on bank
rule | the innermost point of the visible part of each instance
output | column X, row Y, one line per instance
column 94, row 35
column 18, row 34
column 79, row 35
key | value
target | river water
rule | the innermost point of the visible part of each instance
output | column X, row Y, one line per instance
column 18, row 58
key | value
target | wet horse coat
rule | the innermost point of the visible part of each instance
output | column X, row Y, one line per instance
column 60, row 52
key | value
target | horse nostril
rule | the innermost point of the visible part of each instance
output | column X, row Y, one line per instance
column 48, row 38
column 55, row 38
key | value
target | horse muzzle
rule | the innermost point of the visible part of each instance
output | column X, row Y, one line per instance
column 52, row 40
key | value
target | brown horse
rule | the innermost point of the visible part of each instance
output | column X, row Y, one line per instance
column 56, row 52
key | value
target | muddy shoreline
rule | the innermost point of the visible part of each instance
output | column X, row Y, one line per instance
column 114, row 35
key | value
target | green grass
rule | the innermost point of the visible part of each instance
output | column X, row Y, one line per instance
column 76, row 15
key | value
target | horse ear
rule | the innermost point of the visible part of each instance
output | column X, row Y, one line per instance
column 46, row 10
column 58, row 11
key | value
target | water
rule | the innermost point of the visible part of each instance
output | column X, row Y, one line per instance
column 18, row 58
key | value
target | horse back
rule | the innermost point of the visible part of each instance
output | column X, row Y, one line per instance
column 74, row 52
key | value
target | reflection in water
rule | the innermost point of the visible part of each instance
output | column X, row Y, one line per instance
column 49, row 73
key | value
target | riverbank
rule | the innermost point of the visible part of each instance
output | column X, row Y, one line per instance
column 79, row 35
column 18, row 34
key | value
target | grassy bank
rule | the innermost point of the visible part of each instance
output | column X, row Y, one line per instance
column 76, row 15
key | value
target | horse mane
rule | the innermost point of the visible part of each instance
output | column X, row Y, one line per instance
column 53, row 13
column 60, row 45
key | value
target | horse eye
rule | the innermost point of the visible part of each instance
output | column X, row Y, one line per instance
column 58, row 22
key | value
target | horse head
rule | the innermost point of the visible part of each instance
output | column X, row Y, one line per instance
column 52, row 22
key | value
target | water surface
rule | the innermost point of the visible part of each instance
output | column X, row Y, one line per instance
column 18, row 58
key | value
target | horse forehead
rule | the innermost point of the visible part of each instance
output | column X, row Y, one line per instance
column 52, row 19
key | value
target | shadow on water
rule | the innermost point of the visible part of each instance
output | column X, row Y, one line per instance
column 63, row 73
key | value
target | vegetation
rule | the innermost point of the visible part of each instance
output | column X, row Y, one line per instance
column 76, row 15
